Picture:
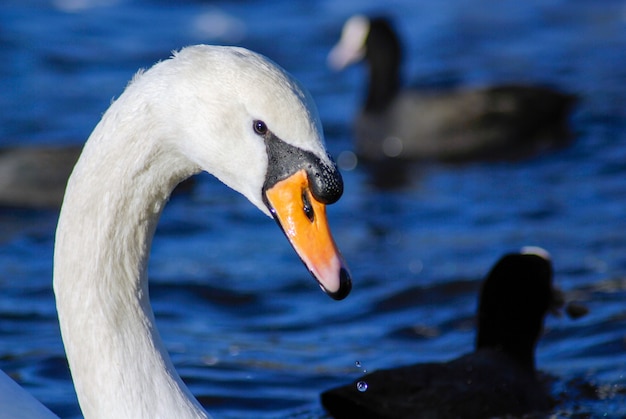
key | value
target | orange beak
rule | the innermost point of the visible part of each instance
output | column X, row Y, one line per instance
column 303, row 220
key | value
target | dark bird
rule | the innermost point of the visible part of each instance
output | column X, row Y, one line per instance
column 495, row 122
column 497, row 378
column 35, row 177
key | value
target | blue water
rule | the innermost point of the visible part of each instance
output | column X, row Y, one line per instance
column 246, row 326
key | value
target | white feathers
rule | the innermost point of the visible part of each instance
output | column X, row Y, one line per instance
column 192, row 112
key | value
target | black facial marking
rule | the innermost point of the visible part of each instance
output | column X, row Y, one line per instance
column 284, row 160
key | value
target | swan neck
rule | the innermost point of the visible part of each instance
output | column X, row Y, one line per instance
column 383, row 57
column 518, row 343
column 113, row 201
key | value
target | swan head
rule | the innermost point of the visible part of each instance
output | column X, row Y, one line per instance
column 253, row 126
column 351, row 47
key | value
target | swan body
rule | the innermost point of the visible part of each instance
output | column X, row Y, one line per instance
column 224, row 110
column 17, row 403
column 497, row 379
column 503, row 121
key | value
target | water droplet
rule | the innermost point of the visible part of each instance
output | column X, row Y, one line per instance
column 361, row 386
column 359, row 365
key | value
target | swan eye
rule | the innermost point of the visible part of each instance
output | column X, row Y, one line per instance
column 259, row 127
column 307, row 207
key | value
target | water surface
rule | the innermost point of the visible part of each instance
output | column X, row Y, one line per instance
column 247, row 328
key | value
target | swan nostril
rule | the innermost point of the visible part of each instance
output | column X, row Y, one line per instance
column 307, row 207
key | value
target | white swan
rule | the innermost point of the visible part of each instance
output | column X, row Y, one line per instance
column 16, row 403
column 225, row 110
